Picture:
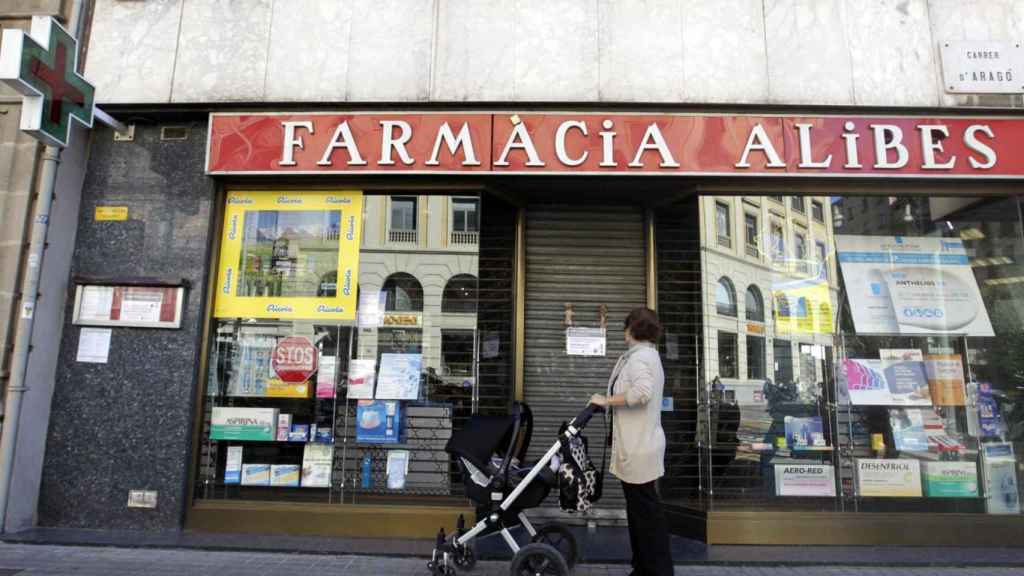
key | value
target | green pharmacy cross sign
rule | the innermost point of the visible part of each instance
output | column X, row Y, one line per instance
column 43, row 66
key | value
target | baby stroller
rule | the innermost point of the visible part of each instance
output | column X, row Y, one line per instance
column 490, row 451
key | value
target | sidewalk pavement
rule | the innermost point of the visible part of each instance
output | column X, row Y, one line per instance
column 40, row 560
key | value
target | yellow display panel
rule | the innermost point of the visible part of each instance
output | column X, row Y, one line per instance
column 290, row 255
column 802, row 306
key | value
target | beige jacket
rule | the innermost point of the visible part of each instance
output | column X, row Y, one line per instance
column 638, row 442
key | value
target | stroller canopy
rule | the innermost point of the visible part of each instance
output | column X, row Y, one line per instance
column 484, row 436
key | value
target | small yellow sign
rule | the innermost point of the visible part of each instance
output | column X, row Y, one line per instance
column 111, row 213
column 279, row 389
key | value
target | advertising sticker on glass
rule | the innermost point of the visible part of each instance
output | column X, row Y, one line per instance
column 905, row 285
column 290, row 255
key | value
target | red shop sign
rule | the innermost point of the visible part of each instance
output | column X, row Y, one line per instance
column 294, row 359
column 615, row 144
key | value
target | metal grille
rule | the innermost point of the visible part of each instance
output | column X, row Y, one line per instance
column 680, row 312
column 585, row 256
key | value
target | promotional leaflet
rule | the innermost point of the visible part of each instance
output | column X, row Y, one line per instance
column 946, row 379
column 888, row 478
column 886, row 382
column 316, row 465
column 999, row 473
column 908, row 431
column 326, row 376
column 950, row 479
column 399, row 377
column 233, row 467
column 989, row 420
column 397, row 469
column 804, row 480
column 361, row 377
column 907, row 285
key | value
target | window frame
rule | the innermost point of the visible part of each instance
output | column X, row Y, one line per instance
column 391, row 213
column 723, row 240
column 730, row 287
column 818, row 211
column 724, row 335
column 455, row 201
column 751, row 248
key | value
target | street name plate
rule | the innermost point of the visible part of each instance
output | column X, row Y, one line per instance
column 982, row 67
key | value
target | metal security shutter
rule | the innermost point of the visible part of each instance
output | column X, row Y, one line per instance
column 585, row 256
column 677, row 239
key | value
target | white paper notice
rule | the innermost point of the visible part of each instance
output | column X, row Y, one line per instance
column 94, row 345
column 399, row 377
column 369, row 313
column 96, row 303
column 585, row 341
column 141, row 305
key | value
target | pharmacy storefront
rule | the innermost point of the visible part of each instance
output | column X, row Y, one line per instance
column 298, row 309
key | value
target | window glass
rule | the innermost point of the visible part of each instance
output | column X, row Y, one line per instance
column 754, row 304
column 755, row 357
column 725, row 298
column 818, row 210
column 723, row 225
column 333, row 404
column 727, row 351
column 778, row 243
column 403, row 214
column 752, row 234
column 797, row 203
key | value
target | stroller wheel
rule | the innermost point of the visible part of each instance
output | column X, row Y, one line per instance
column 559, row 537
column 440, row 569
column 465, row 557
column 537, row 559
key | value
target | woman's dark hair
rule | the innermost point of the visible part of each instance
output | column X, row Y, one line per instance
column 643, row 324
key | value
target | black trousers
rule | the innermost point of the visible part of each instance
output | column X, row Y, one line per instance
column 648, row 530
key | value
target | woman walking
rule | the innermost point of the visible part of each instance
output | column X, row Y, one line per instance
column 638, row 441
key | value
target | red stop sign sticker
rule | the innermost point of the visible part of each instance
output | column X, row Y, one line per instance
column 294, row 359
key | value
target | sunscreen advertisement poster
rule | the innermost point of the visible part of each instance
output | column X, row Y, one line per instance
column 908, row 285
column 290, row 255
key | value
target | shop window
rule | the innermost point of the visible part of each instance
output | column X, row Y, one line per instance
column 465, row 221
column 755, row 357
column 402, row 292
column 723, row 225
column 460, row 295
column 753, row 235
column 818, row 211
column 403, row 220
column 317, row 392
column 754, row 304
column 727, row 358
column 725, row 297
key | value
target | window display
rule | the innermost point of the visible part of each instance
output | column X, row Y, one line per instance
column 309, row 398
column 906, row 395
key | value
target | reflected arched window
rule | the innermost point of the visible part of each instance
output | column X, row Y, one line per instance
column 754, row 304
column 402, row 293
column 459, row 295
column 725, row 297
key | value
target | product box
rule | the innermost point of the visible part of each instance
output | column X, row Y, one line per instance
column 279, row 389
column 284, row 475
column 323, row 435
column 299, row 433
column 256, row 474
column 999, row 468
column 889, row 478
column 284, row 425
column 243, row 423
column 233, row 468
column 378, row 421
column 950, row 479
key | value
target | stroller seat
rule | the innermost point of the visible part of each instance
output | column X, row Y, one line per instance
column 491, row 451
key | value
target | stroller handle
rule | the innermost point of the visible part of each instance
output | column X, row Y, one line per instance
column 581, row 419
